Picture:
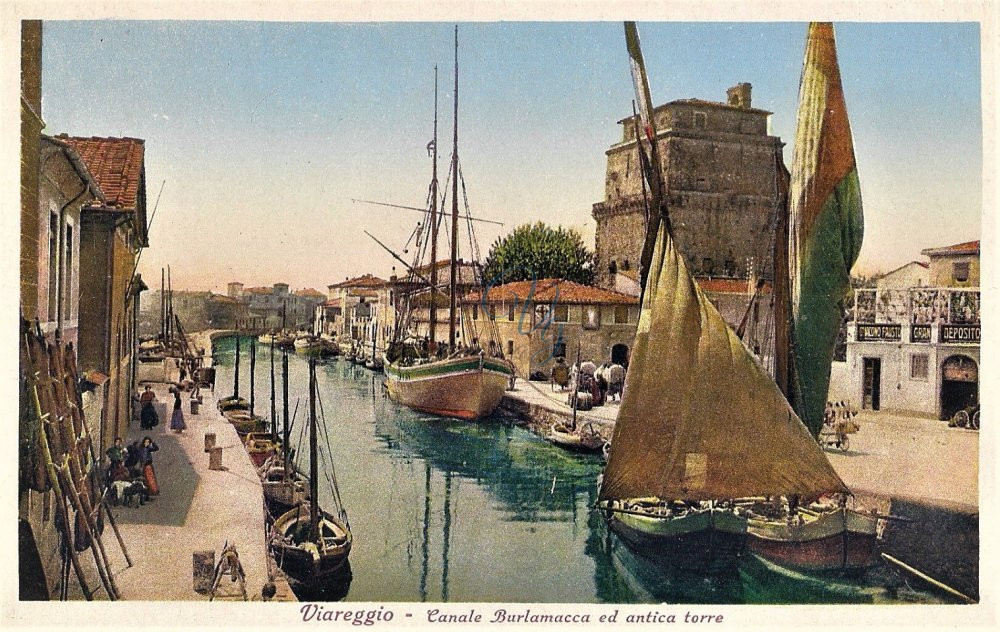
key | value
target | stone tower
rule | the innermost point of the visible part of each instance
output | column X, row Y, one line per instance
column 719, row 169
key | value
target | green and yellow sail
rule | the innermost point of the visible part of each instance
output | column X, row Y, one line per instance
column 825, row 219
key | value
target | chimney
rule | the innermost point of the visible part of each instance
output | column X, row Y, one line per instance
column 739, row 95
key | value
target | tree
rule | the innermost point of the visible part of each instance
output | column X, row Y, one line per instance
column 539, row 251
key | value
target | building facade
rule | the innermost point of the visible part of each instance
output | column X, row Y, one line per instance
column 197, row 311
column 276, row 307
column 720, row 170
column 916, row 349
column 356, row 307
column 538, row 321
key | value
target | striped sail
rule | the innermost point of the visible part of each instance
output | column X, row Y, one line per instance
column 825, row 218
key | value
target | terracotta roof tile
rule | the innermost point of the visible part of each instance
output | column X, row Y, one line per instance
column 727, row 286
column 365, row 280
column 310, row 293
column 333, row 302
column 549, row 290
column 966, row 247
column 115, row 163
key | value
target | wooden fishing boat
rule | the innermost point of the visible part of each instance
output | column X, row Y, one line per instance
column 308, row 346
column 232, row 403
column 820, row 536
column 721, row 432
column 580, row 439
column 815, row 538
column 283, row 491
column 260, row 446
column 466, row 387
column 308, row 543
column 465, row 384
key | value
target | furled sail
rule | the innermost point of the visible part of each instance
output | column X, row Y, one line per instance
column 825, row 217
column 700, row 419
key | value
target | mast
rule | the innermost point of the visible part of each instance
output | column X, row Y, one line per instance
column 434, row 215
column 163, row 306
column 454, row 214
column 782, row 288
column 253, row 368
column 274, row 416
column 236, row 373
column 283, row 314
column 313, row 456
column 284, row 417
column 170, row 307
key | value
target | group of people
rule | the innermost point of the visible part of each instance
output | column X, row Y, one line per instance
column 130, row 470
column 604, row 383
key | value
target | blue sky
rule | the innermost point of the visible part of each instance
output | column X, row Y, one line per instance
column 264, row 131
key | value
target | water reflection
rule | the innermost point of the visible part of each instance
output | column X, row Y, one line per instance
column 446, row 510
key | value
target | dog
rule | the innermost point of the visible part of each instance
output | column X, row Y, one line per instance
column 125, row 491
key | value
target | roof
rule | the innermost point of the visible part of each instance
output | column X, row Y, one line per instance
column 310, row 293
column 365, row 280
column 333, row 302
column 702, row 103
column 259, row 290
column 726, row 286
column 222, row 298
column 964, row 248
column 552, row 291
column 78, row 164
column 115, row 163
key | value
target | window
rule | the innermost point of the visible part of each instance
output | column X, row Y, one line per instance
column 918, row 366
column 561, row 314
column 53, row 264
column 621, row 314
column 730, row 267
column 960, row 271
column 706, row 265
column 701, row 119
column 510, row 347
column 559, row 349
column 68, row 283
column 592, row 317
column 510, row 312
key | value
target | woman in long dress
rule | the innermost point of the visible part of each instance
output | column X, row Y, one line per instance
column 177, row 420
column 147, row 414
column 146, row 450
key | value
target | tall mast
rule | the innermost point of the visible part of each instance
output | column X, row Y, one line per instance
column 170, row 307
column 163, row 305
column 274, row 414
column 253, row 369
column 236, row 372
column 454, row 214
column 782, row 310
column 284, row 415
column 434, row 215
column 313, row 455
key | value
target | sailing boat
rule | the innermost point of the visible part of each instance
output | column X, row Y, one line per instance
column 682, row 456
column 309, row 543
column 816, row 245
column 284, row 489
column 467, row 384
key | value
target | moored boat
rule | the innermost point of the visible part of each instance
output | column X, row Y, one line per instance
column 309, row 543
column 308, row 346
column 580, row 439
column 722, row 431
column 466, row 387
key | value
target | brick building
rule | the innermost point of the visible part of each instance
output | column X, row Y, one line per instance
column 536, row 321
column 718, row 162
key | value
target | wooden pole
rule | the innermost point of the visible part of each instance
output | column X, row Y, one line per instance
column 163, row 306
column 453, row 285
column 253, row 369
column 434, row 217
column 274, row 415
column 236, row 372
column 313, row 456
column 96, row 546
column 576, row 385
column 284, row 418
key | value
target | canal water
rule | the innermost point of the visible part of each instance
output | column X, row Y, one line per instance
column 443, row 510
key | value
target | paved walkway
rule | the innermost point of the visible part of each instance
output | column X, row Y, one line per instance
column 542, row 394
column 197, row 509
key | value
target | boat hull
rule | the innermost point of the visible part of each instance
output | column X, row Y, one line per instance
column 575, row 441
column 309, row 564
column 836, row 540
column 709, row 541
column 466, row 388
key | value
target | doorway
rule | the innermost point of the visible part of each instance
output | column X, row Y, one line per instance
column 959, row 385
column 871, row 396
column 619, row 355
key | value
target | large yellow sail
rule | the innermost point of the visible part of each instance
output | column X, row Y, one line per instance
column 700, row 418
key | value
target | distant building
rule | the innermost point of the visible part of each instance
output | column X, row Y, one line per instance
column 537, row 321
column 415, row 291
column 358, row 306
column 718, row 161
column 274, row 307
column 916, row 348
column 197, row 311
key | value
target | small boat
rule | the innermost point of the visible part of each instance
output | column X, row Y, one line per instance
column 232, row 403
column 282, row 492
column 267, row 338
column 579, row 439
column 308, row 543
column 260, row 446
column 309, row 346
column 245, row 423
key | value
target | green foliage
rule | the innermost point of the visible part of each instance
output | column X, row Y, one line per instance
column 537, row 252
